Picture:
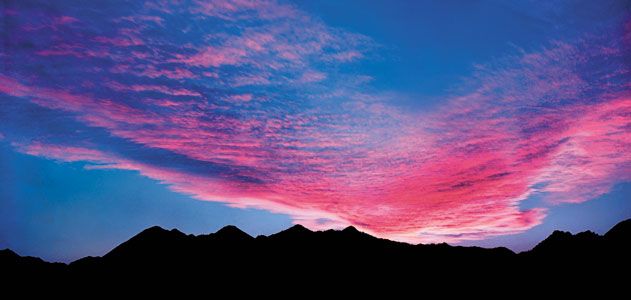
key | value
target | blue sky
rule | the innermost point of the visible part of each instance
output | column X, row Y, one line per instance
column 430, row 46
column 60, row 211
column 487, row 123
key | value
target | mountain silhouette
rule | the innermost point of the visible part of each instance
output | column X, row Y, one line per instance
column 619, row 233
column 299, row 256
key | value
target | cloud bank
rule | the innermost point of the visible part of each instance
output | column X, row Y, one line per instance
column 247, row 103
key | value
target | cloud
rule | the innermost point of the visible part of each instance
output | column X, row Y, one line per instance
column 153, row 88
column 346, row 56
column 223, row 108
column 215, row 57
column 153, row 72
column 312, row 76
column 244, row 9
column 254, row 79
column 241, row 97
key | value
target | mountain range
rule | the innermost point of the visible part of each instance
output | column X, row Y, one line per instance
column 298, row 256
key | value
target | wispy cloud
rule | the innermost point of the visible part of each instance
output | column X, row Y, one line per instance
column 244, row 106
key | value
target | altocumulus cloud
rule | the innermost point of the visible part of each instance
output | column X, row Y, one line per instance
column 245, row 102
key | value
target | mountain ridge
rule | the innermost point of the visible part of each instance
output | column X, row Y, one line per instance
column 234, row 233
column 302, row 255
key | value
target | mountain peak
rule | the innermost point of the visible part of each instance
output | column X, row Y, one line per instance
column 560, row 233
column 231, row 232
column 620, row 231
column 155, row 228
column 560, row 242
column 148, row 241
column 229, row 228
column 350, row 229
column 159, row 231
column 298, row 228
column 293, row 232
column 8, row 253
column 587, row 235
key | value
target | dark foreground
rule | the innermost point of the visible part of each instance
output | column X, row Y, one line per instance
column 315, row 261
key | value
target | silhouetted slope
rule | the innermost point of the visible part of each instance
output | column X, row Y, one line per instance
column 619, row 233
column 296, row 232
column 232, row 234
column 27, row 266
column 299, row 255
column 585, row 258
column 564, row 244
column 151, row 244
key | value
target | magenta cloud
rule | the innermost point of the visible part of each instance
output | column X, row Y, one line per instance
column 264, row 104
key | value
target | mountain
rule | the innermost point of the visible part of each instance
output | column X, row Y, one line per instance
column 563, row 244
column 27, row 266
column 587, row 247
column 619, row 234
column 299, row 256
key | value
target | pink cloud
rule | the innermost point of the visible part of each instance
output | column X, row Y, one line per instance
column 153, row 88
column 210, row 74
column 595, row 156
column 78, row 51
column 215, row 57
column 346, row 56
column 322, row 177
column 312, row 76
column 458, row 185
column 537, row 123
column 13, row 88
column 97, row 112
column 121, row 41
column 274, row 47
column 65, row 20
column 153, row 72
column 241, row 97
column 144, row 18
column 244, row 9
column 255, row 79
column 257, row 41
column 167, row 102
column 65, row 153
column 55, row 23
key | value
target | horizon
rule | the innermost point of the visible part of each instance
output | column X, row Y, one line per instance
column 156, row 227
column 488, row 123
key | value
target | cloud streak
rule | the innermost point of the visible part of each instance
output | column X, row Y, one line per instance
column 244, row 106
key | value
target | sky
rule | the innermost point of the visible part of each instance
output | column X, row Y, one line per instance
column 487, row 123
